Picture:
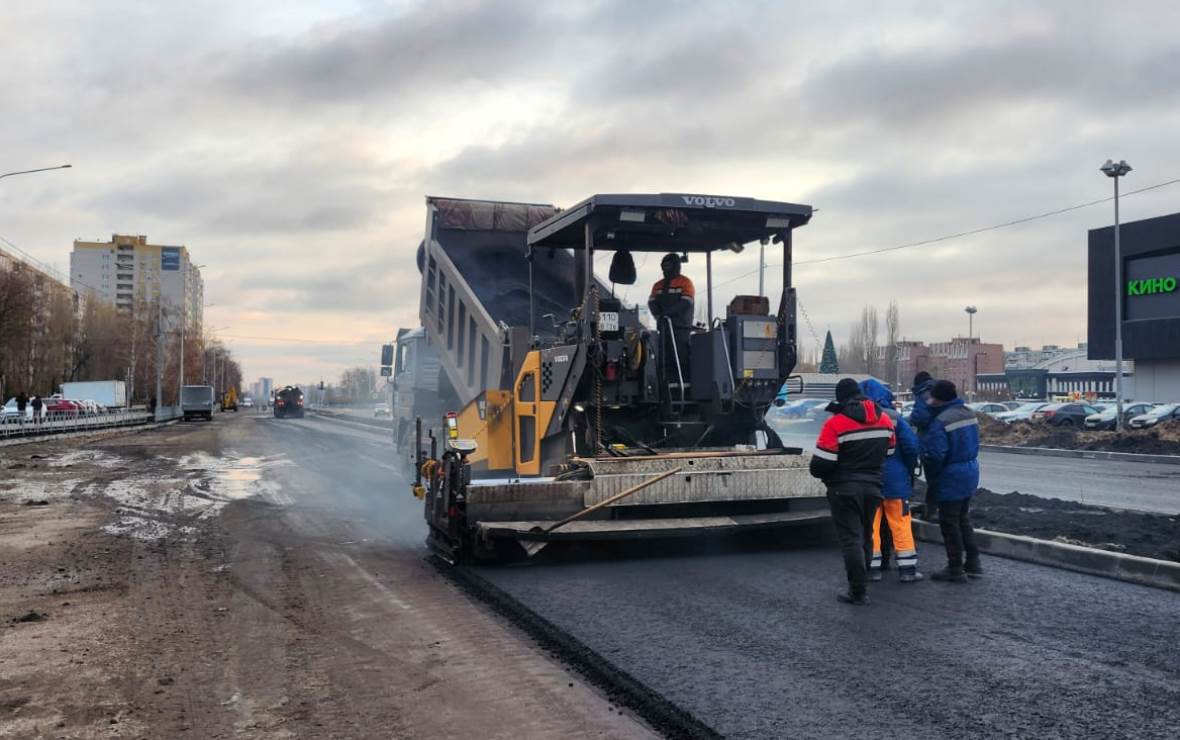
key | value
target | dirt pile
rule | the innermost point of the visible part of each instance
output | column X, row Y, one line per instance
column 1131, row 532
column 1163, row 439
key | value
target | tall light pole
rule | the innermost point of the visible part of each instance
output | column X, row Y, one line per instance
column 1114, row 172
column 39, row 169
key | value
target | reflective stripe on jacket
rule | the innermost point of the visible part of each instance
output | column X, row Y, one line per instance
column 852, row 447
column 950, row 451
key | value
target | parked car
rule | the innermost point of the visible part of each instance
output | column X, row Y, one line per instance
column 991, row 409
column 1012, row 405
column 10, row 412
column 1023, row 412
column 801, row 407
column 1105, row 418
column 1163, row 412
column 1069, row 414
column 1039, row 414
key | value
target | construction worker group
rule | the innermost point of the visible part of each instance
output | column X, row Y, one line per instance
column 869, row 456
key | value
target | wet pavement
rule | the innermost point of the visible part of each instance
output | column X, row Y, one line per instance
column 1115, row 483
column 754, row 644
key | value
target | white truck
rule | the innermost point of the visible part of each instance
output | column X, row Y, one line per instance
column 110, row 394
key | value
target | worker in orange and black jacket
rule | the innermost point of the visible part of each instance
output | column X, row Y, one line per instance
column 849, row 458
column 674, row 296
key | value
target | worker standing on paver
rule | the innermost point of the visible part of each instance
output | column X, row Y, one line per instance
column 849, row 456
column 950, row 451
column 896, row 489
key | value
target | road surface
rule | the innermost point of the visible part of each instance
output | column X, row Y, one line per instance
column 754, row 644
column 255, row 577
column 1124, row 485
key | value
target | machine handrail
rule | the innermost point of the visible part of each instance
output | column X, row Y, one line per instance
column 676, row 355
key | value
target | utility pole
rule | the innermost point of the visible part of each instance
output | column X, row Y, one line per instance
column 762, row 267
column 159, row 357
column 180, row 381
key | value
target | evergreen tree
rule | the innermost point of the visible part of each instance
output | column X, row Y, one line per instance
column 828, row 362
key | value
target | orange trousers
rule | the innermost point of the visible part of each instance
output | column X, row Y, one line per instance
column 897, row 516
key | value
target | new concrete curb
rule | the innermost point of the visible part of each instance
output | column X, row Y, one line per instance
column 1085, row 454
column 1132, row 568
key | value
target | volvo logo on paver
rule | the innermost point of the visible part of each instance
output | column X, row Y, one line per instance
column 708, row 201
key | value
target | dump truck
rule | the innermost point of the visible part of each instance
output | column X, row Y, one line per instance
column 562, row 413
column 229, row 400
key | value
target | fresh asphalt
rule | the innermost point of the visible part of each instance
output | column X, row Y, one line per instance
column 755, row 645
column 750, row 639
column 1120, row 484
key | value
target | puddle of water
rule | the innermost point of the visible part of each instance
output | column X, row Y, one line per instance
column 238, row 482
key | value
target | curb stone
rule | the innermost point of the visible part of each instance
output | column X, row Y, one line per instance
column 1131, row 568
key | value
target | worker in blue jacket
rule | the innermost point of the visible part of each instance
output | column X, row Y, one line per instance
column 897, row 487
column 950, row 451
column 920, row 417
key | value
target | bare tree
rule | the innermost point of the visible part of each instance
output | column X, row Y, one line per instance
column 892, row 337
column 868, row 340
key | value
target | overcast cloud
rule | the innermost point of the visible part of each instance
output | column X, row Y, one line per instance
column 290, row 145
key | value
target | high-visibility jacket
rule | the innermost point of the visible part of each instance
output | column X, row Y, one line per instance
column 852, row 447
column 673, row 297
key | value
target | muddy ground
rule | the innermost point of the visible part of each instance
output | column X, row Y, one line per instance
column 1133, row 533
column 1163, row 439
column 250, row 578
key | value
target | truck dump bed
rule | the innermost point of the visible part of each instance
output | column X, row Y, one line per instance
column 476, row 285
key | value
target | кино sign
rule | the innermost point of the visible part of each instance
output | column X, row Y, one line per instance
column 1151, row 286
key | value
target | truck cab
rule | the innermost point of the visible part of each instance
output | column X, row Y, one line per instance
column 419, row 389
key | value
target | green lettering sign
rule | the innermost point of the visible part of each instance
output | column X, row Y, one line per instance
column 1151, row 286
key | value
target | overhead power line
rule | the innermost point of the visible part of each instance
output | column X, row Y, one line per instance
column 961, row 234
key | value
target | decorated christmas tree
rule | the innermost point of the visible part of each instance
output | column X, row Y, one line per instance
column 828, row 362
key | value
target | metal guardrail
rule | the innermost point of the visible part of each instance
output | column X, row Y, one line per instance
column 61, row 422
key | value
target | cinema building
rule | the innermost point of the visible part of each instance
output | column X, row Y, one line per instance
column 1150, row 294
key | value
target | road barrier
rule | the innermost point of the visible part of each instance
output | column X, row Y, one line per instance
column 62, row 422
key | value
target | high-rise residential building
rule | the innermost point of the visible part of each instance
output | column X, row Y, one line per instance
column 133, row 275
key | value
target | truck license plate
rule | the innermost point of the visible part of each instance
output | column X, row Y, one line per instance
column 608, row 321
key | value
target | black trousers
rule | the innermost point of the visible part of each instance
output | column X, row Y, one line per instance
column 853, row 518
column 954, row 521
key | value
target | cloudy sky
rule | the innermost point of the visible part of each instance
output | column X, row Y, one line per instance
column 290, row 145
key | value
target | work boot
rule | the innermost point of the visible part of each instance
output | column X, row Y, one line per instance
column 909, row 575
column 847, row 597
column 875, row 574
column 952, row 575
column 973, row 569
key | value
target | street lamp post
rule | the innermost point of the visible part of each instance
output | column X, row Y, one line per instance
column 1115, row 171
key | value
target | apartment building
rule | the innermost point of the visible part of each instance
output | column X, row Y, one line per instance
column 133, row 275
